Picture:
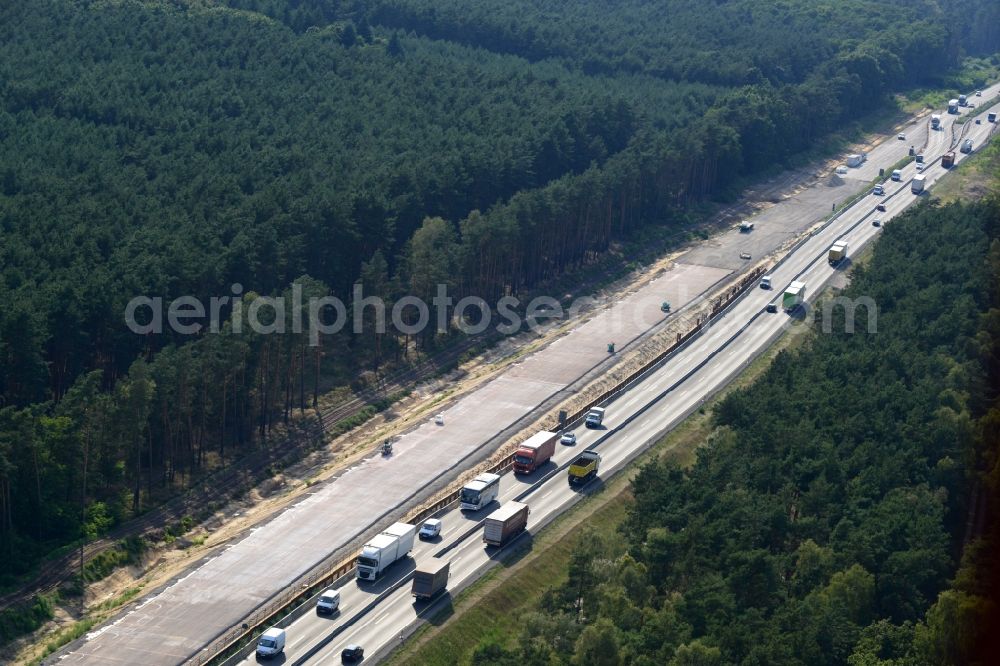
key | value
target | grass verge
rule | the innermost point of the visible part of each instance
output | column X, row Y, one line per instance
column 490, row 608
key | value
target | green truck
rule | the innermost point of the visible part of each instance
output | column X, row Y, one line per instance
column 584, row 468
column 793, row 296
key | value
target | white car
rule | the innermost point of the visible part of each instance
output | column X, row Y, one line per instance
column 901, row 136
column 431, row 528
column 979, row 93
column 920, row 167
column 439, row 419
column 567, row 438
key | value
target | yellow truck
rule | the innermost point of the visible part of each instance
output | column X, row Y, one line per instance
column 584, row 468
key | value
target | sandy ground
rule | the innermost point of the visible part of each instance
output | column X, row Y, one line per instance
column 164, row 562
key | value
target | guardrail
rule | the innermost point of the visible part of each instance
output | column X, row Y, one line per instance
column 326, row 573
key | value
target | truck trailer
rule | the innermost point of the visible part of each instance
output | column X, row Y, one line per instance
column 505, row 523
column 390, row 546
column 430, row 578
column 794, row 296
column 917, row 184
column 535, row 452
column 948, row 160
column 584, row 468
column 838, row 252
column 991, row 117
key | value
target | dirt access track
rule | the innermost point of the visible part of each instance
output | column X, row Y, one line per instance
column 330, row 518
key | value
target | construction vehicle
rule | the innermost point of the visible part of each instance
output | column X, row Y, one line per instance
column 535, row 452
column 584, row 468
column 505, row 523
column 430, row 578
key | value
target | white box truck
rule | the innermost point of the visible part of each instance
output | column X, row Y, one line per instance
column 479, row 492
column 838, row 252
column 935, row 121
column 390, row 546
column 897, row 175
column 952, row 106
column 855, row 160
column 917, row 184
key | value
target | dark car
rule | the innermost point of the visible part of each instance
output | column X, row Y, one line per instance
column 771, row 307
column 876, row 223
column 352, row 653
column 880, row 208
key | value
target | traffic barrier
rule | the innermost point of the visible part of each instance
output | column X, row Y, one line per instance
column 325, row 575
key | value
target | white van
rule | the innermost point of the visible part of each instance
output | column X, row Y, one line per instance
column 271, row 643
column 328, row 602
column 765, row 282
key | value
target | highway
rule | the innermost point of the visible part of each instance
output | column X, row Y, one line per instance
column 171, row 625
column 377, row 616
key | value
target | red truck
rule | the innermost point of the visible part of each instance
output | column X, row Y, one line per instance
column 535, row 452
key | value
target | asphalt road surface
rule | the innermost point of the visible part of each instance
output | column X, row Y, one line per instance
column 172, row 625
column 377, row 616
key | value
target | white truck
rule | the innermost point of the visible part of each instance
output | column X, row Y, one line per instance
column 838, row 252
column 595, row 417
column 855, row 160
column 479, row 492
column 952, row 106
column 390, row 546
column 935, row 121
column 917, row 184
column 746, row 226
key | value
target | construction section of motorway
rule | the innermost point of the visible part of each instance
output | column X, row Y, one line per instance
column 343, row 511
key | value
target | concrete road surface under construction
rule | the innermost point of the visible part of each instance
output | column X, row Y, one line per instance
column 174, row 624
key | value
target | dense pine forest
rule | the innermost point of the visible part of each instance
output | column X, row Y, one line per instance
column 167, row 148
column 825, row 520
